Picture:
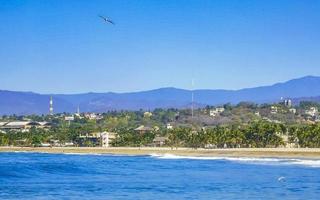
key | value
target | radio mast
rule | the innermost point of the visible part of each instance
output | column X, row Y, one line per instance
column 192, row 97
column 51, row 106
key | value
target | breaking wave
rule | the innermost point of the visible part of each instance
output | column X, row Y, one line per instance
column 248, row 160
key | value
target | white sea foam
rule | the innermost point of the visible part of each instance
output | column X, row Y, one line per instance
column 264, row 161
column 82, row 154
column 172, row 156
column 311, row 163
column 17, row 151
column 91, row 154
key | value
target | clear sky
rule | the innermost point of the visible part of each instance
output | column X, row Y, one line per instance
column 56, row 46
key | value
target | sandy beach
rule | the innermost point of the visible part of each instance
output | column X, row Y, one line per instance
column 241, row 152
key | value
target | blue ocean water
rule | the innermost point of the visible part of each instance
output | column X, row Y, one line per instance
column 71, row 176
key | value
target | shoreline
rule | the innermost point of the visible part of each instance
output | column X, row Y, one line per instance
column 241, row 152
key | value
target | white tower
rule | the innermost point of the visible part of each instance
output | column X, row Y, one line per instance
column 51, row 106
column 78, row 111
column 192, row 97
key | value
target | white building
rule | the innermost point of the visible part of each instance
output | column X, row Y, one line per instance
column 216, row 111
column 106, row 138
column 169, row 126
column 69, row 118
column 93, row 116
column 293, row 110
column 274, row 110
column 312, row 111
column 147, row 114
column 287, row 103
column 23, row 126
column 68, row 144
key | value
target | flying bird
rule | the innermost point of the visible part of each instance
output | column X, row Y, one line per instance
column 107, row 20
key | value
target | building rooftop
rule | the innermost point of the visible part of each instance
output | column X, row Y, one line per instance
column 160, row 139
column 20, row 123
column 143, row 128
column 45, row 123
column 3, row 123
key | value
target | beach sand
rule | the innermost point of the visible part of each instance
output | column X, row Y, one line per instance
column 241, row 152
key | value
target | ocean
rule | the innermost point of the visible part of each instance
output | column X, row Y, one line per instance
column 83, row 176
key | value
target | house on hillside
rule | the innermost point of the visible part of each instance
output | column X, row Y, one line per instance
column 143, row 129
column 147, row 114
column 1, row 125
column 216, row 111
column 293, row 110
column 93, row 116
column 23, row 126
column 69, row 118
column 45, row 125
column 274, row 110
column 312, row 111
column 169, row 126
column 287, row 103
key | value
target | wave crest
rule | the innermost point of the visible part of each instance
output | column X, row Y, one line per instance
column 248, row 160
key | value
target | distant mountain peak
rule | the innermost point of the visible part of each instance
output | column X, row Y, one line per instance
column 168, row 97
column 306, row 78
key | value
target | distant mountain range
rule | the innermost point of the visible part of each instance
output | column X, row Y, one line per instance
column 20, row 103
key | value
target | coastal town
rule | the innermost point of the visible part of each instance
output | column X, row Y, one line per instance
column 159, row 99
column 245, row 125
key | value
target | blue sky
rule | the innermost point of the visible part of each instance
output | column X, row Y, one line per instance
column 57, row 46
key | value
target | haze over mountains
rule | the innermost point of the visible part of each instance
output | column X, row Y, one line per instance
column 21, row 103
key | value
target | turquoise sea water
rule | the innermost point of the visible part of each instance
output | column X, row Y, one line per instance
column 72, row 176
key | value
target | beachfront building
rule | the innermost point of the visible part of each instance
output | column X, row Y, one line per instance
column 103, row 139
column 288, row 143
column 159, row 141
column 89, row 139
column 21, row 142
column 107, row 138
column 68, row 144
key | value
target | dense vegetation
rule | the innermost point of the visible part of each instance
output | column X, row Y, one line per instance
column 236, row 126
